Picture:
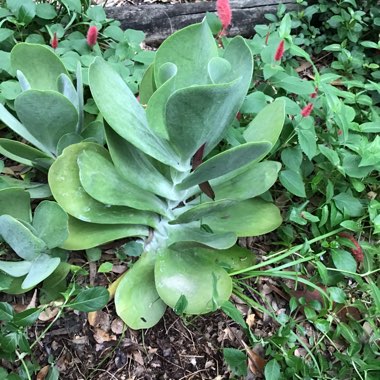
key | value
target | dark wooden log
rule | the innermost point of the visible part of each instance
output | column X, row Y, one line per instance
column 158, row 21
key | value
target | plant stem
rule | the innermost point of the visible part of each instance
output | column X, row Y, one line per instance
column 55, row 318
column 286, row 254
column 21, row 358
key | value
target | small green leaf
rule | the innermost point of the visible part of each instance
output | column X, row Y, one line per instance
column 236, row 360
column 337, row 294
column 6, row 312
column 230, row 309
column 27, row 317
column 93, row 254
column 105, row 267
column 293, row 182
column 272, row 370
column 181, row 305
column 343, row 260
column 90, row 299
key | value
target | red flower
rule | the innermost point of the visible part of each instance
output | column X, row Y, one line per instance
column 280, row 51
column 356, row 252
column 224, row 12
column 315, row 93
column 306, row 111
column 92, row 36
column 54, row 41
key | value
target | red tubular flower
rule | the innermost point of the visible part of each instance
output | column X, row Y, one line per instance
column 224, row 13
column 306, row 111
column 54, row 41
column 356, row 252
column 280, row 51
column 92, row 36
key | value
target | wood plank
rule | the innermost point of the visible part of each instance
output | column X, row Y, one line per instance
column 159, row 21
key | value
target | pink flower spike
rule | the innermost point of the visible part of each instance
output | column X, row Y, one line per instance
column 224, row 13
column 54, row 41
column 92, row 36
column 280, row 51
column 306, row 111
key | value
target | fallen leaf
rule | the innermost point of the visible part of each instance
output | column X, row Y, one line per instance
column 250, row 321
column 117, row 326
column 256, row 363
column 41, row 375
column 48, row 314
column 102, row 336
column 100, row 319
column 137, row 357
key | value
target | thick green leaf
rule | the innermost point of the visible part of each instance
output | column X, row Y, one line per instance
column 239, row 55
column 147, row 85
column 138, row 168
column 252, row 217
column 101, row 181
column 10, row 121
column 15, row 202
column 254, row 181
column 90, row 299
column 226, row 162
column 39, row 64
column 42, row 267
column 218, row 69
column 47, row 115
column 156, row 108
column 20, row 238
column 68, row 192
column 268, row 123
column 67, row 140
column 125, row 114
column 51, row 223
column 232, row 259
column 178, row 235
column 191, row 61
column 22, row 153
column 190, row 274
column 198, row 114
column 136, row 299
column 198, row 211
column 83, row 235
column 15, row 268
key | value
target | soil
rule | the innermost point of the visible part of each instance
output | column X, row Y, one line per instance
column 98, row 346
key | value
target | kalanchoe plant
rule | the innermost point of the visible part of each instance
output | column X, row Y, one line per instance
column 153, row 182
column 49, row 108
column 34, row 241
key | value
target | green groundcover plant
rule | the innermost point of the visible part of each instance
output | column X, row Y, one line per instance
column 152, row 181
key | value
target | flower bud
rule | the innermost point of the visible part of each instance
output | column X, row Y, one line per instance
column 54, row 41
column 92, row 36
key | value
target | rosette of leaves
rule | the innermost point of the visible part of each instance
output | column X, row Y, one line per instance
column 162, row 178
column 34, row 241
column 49, row 108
